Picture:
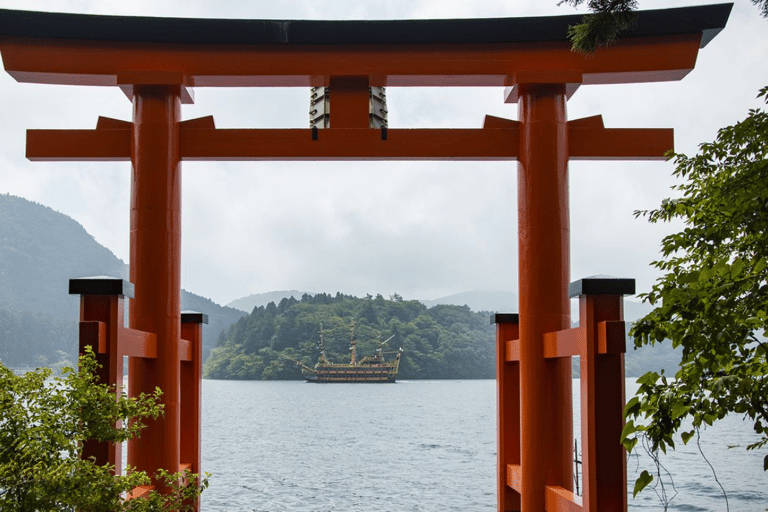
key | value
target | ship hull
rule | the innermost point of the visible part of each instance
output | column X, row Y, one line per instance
column 380, row 373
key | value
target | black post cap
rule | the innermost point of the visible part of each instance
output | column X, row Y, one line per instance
column 193, row 317
column 101, row 285
column 505, row 318
column 602, row 285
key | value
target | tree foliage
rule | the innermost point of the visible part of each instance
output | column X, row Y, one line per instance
column 44, row 421
column 603, row 26
column 443, row 342
column 713, row 297
column 609, row 18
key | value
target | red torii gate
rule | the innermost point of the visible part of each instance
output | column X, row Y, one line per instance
column 158, row 61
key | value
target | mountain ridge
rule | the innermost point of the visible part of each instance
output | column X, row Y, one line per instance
column 255, row 300
column 477, row 300
column 495, row 301
column 492, row 301
column 40, row 251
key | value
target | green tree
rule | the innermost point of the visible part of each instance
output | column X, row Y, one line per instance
column 44, row 421
column 713, row 297
column 609, row 18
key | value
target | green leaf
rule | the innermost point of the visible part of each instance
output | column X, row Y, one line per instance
column 629, row 428
column 690, row 277
column 765, row 463
column 679, row 409
column 632, row 407
column 629, row 444
column 736, row 268
column 642, row 481
column 760, row 265
column 649, row 378
column 687, row 436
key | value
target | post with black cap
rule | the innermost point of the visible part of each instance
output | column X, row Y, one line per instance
column 604, row 463
column 191, row 377
column 101, row 320
column 508, row 410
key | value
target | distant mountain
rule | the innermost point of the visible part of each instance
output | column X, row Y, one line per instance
column 635, row 310
column 637, row 361
column 496, row 301
column 262, row 299
column 646, row 358
column 499, row 301
column 40, row 251
column 219, row 318
column 660, row 356
column 493, row 300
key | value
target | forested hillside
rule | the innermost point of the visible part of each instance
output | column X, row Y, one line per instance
column 219, row 317
column 40, row 251
column 36, row 339
column 443, row 342
column 262, row 299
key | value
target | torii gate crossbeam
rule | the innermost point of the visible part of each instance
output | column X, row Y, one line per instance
column 158, row 62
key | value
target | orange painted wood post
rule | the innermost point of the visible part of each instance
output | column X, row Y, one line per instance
column 191, row 390
column 155, row 252
column 604, row 463
column 508, row 410
column 349, row 96
column 546, row 423
column 101, row 318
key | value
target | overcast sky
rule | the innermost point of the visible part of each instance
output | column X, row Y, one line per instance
column 421, row 229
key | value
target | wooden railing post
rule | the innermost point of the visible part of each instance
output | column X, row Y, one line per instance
column 191, row 389
column 508, row 412
column 101, row 321
column 604, row 465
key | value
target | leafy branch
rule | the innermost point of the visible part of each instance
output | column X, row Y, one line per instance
column 712, row 299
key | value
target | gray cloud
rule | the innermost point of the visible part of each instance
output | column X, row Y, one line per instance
column 422, row 229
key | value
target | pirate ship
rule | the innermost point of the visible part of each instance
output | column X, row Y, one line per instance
column 373, row 368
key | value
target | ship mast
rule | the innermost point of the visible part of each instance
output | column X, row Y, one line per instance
column 323, row 359
column 352, row 342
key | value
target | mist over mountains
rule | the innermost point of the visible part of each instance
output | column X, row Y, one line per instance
column 496, row 301
column 41, row 249
column 493, row 301
column 262, row 299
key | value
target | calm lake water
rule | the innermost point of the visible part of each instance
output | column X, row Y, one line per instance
column 412, row 446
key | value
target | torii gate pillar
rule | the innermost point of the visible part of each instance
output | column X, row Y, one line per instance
column 546, row 425
column 155, row 266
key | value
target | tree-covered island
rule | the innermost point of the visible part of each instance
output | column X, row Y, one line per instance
column 442, row 342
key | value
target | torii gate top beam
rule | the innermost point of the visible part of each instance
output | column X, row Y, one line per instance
column 77, row 49
column 80, row 49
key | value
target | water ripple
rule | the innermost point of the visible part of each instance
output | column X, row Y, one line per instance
column 417, row 446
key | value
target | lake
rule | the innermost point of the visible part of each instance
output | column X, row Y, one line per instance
column 413, row 446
